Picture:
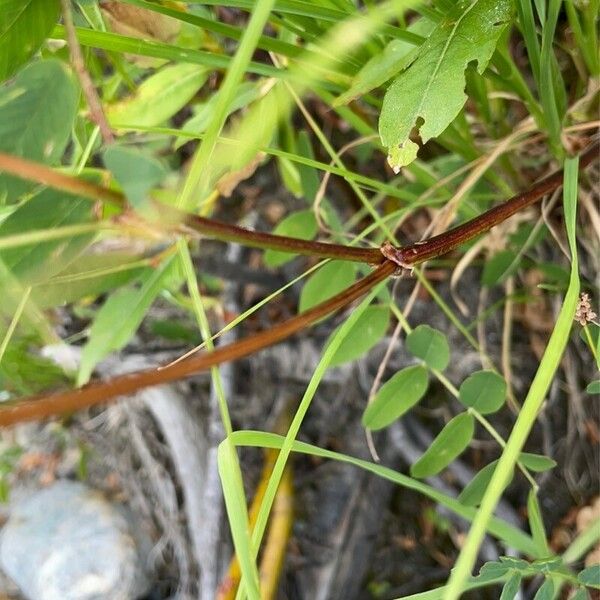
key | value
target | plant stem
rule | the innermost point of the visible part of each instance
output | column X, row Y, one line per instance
column 419, row 252
column 43, row 406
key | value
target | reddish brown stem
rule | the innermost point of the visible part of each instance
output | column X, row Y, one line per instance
column 32, row 171
column 419, row 252
column 102, row 392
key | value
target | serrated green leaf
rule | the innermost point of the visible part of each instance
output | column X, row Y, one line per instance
column 593, row 387
column 301, row 225
column 450, row 443
column 536, row 462
column 432, row 87
column 159, row 97
column 37, row 110
column 136, row 172
column 36, row 263
column 511, row 587
column 590, row 576
column 430, row 345
column 396, row 396
column 24, row 25
column 580, row 594
column 474, row 490
column 546, row 591
column 329, row 280
column 366, row 332
column 499, row 267
column 119, row 318
column 485, row 391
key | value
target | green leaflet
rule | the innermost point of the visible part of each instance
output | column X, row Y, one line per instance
column 36, row 263
column 37, row 110
column 431, row 89
column 24, row 25
column 302, row 225
column 120, row 316
column 137, row 172
column 450, row 442
column 159, row 97
column 328, row 281
column 365, row 333
column 396, row 396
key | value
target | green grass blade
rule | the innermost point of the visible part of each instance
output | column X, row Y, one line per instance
column 533, row 401
column 497, row 527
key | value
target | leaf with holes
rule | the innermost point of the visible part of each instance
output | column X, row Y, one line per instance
column 485, row 391
column 366, row 332
column 430, row 345
column 450, row 443
column 24, row 25
column 37, row 110
column 396, row 396
column 431, row 90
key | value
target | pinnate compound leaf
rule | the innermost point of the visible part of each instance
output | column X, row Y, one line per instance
column 24, row 25
column 396, row 396
column 449, row 444
column 366, row 332
column 430, row 345
column 329, row 280
column 431, row 89
column 301, row 224
column 37, row 110
column 485, row 391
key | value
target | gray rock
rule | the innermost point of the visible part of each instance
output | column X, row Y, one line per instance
column 68, row 542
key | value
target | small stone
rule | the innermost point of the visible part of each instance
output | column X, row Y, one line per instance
column 68, row 541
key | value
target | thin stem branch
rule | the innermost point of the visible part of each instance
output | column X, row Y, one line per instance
column 87, row 86
column 419, row 252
